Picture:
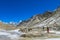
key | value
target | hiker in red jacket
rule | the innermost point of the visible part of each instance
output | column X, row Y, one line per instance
column 47, row 29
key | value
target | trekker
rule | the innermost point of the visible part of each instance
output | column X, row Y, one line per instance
column 47, row 29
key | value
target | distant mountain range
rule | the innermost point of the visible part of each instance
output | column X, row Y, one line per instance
column 47, row 19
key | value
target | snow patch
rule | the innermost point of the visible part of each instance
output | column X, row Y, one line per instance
column 13, row 34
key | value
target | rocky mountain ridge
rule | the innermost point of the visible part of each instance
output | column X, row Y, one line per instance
column 41, row 20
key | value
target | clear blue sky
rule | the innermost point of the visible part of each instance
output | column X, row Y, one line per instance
column 15, row 10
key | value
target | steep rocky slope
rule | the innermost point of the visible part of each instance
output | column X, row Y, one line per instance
column 53, row 21
column 36, row 19
column 48, row 19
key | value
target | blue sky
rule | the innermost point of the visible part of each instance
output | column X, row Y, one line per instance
column 15, row 10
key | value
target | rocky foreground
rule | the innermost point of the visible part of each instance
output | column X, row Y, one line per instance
column 17, row 35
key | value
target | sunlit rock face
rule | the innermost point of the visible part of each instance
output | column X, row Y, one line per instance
column 53, row 21
column 35, row 19
column 48, row 19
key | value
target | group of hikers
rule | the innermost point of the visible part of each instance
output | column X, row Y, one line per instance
column 47, row 29
column 29, row 29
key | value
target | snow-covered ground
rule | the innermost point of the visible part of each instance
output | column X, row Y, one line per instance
column 13, row 34
column 53, row 39
column 49, row 39
column 56, row 32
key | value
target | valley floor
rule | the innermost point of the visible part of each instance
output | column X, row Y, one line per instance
column 15, row 35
